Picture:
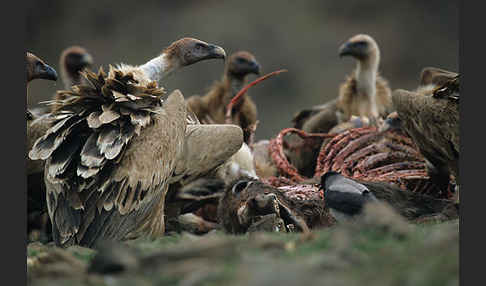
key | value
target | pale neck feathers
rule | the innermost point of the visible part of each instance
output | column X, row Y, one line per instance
column 366, row 74
column 154, row 70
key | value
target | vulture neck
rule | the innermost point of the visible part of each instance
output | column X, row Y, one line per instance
column 366, row 73
column 70, row 78
column 233, row 84
column 159, row 68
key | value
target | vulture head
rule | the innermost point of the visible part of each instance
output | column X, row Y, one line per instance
column 73, row 60
column 361, row 47
column 392, row 122
column 188, row 51
column 242, row 63
column 37, row 68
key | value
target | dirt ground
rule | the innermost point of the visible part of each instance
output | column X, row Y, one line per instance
column 379, row 248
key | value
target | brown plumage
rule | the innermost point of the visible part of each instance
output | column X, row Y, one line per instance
column 319, row 119
column 73, row 60
column 364, row 92
column 113, row 148
column 108, row 158
column 212, row 106
column 432, row 120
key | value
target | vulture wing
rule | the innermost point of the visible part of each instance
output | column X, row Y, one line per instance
column 206, row 147
column 108, row 157
column 435, row 76
column 433, row 122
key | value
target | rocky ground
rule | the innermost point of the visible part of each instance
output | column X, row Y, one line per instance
column 378, row 248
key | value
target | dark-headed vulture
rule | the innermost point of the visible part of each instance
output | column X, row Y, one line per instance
column 73, row 60
column 211, row 108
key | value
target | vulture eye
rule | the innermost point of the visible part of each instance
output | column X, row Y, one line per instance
column 361, row 44
column 240, row 186
column 240, row 60
column 199, row 46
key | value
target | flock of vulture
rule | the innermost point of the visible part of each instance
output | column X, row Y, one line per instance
column 115, row 156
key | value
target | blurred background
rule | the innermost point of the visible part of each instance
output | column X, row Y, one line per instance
column 301, row 36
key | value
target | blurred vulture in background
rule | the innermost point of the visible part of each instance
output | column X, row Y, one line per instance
column 113, row 147
column 73, row 60
column 211, row 108
column 431, row 118
column 364, row 94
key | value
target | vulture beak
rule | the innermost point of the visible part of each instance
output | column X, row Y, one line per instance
column 255, row 67
column 216, row 52
column 46, row 72
column 346, row 49
column 87, row 60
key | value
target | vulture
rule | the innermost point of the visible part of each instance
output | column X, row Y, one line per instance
column 365, row 92
column 73, row 60
column 114, row 146
column 430, row 117
column 343, row 196
column 36, row 69
column 212, row 106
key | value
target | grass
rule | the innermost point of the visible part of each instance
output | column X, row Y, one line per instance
column 348, row 254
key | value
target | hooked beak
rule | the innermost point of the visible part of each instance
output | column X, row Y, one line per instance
column 87, row 60
column 216, row 52
column 346, row 49
column 47, row 72
column 255, row 68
